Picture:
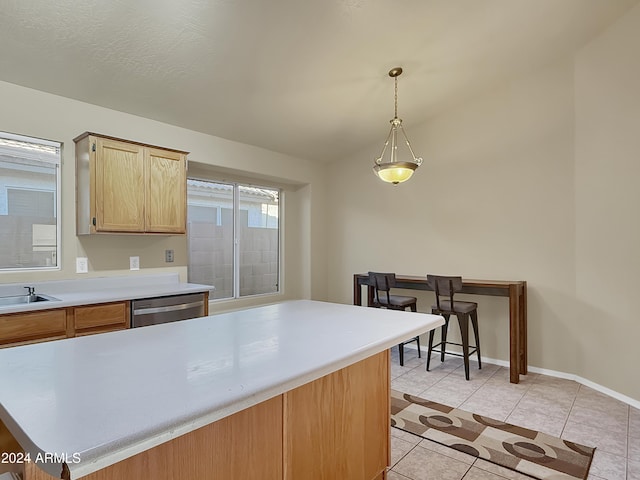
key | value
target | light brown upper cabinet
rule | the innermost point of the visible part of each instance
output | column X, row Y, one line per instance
column 129, row 187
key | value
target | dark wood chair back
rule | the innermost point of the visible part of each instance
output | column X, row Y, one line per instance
column 444, row 286
column 382, row 283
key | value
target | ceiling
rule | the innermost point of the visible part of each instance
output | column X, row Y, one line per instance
column 303, row 77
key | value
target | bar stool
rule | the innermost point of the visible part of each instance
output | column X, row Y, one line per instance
column 382, row 284
column 446, row 286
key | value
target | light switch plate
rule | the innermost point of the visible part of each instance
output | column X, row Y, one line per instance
column 82, row 265
column 134, row 263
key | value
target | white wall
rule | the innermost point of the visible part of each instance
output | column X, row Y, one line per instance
column 30, row 112
column 607, row 206
column 533, row 181
column 493, row 199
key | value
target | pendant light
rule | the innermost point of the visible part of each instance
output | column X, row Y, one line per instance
column 395, row 171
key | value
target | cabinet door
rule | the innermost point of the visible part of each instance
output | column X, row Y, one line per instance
column 338, row 426
column 166, row 201
column 105, row 317
column 20, row 328
column 119, row 188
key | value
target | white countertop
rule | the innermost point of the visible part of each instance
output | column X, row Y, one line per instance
column 99, row 290
column 107, row 397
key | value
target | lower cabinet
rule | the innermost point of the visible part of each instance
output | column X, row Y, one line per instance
column 336, row 427
column 105, row 317
column 32, row 327
column 57, row 323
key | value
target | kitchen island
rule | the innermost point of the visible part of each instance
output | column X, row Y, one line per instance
column 283, row 391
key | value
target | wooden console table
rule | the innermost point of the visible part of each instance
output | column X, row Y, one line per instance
column 516, row 291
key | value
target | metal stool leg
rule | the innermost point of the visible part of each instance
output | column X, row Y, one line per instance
column 463, row 320
column 445, row 328
column 474, row 322
column 429, row 348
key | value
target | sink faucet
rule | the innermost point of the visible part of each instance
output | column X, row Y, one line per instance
column 32, row 290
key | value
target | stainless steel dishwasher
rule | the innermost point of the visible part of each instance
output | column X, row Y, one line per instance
column 151, row 311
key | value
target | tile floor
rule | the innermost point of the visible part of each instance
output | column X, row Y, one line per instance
column 552, row 405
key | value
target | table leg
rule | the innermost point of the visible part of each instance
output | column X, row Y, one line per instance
column 357, row 291
column 524, row 361
column 514, row 335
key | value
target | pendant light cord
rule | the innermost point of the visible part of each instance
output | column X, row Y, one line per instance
column 396, row 97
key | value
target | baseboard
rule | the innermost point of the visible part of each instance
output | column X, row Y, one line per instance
column 554, row 373
column 588, row 383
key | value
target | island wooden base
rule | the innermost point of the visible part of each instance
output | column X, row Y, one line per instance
column 335, row 427
column 8, row 444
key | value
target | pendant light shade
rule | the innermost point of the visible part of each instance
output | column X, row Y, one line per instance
column 396, row 172
column 393, row 170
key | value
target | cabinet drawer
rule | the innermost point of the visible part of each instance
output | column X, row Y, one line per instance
column 22, row 327
column 113, row 315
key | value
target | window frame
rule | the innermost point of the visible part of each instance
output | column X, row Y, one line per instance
column 236, row 185
column 57, row 202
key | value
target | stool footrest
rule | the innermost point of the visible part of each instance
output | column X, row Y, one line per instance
column 472, row 349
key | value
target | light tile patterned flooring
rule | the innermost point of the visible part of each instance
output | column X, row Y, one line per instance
column 555, row 406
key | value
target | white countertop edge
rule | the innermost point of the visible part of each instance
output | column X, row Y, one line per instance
column 114, row 456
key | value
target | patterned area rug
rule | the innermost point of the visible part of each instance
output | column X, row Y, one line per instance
column 526, row 451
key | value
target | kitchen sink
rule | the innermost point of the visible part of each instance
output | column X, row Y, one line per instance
column 21, row 299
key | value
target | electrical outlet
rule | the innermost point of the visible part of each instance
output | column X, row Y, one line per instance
column 82, row 265
column 168, row 256
column 134, row 263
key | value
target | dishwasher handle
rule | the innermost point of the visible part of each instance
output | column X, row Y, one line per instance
column 168, row 308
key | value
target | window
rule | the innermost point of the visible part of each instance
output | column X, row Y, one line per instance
column 29, row 202
column 234, row 237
